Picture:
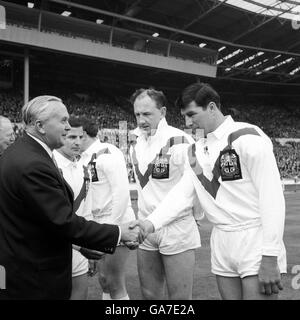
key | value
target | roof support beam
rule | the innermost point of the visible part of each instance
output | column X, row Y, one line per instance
column 262, row 82
column 261, row 24
column 245, row 70
column 202, row 15
column 159, row 26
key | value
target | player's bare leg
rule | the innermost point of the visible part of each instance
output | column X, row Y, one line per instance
column 230, row 288
column 151, row 274
column 251, row 290
column 179, row 269
column 79, row 287
column 112, row 274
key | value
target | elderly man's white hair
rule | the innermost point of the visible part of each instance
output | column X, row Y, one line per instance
column 37, row 109
column 2, row 120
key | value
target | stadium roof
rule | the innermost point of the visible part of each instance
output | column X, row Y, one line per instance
column 289, row 9
column 256, row 40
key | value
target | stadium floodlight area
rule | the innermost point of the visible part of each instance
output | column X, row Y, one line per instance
column 262, row 62
column 240, row 63
column 254, row 44
column 288, row 9
column 295, row 71
column 66, row 13
column 279, row 64
column 229, row 56
column 258, row 64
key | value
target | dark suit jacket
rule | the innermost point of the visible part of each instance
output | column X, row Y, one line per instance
column 38, row 226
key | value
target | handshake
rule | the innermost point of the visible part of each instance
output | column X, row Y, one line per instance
column 132, row 234
column 135, row 232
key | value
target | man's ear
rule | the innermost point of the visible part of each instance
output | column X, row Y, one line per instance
column 163, row 111
column 212, row 106
column 39, row 126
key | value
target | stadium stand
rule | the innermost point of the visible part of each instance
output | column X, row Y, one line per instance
column 277, row 122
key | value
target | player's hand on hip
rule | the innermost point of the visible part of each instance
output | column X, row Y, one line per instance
column 92, row 268
column 269, row 276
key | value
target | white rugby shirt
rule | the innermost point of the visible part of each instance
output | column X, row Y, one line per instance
column 110, row 186
column 170, row 143
column 255, row 198
column 78, row 179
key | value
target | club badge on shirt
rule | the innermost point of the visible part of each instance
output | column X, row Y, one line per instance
column 94, row 172
column 230, row 166
column 87, row 180
column 161, row 167
column 92, row 168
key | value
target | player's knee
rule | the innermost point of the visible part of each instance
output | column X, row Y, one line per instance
column 115, row 283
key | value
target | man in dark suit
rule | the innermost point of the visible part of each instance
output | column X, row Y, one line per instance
column 37, row 223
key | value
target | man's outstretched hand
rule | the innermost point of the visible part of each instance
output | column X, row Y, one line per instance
column 135, row 232
column 130, row 236
column 145, row 226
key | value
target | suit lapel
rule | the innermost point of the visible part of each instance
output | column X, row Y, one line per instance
column 45, row 157
column 69, row 191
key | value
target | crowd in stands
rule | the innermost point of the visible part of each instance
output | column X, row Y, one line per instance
column 106, row 113
column 288, row 158
column 10, row 105
column 277, row 122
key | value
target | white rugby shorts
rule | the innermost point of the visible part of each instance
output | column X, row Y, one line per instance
column 179, row 236
column 239, row 253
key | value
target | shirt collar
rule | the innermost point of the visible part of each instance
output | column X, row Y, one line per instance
column 222, row 128
column 94, row 147
column 43, row 144
column 62, row 160
column 161, row 126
